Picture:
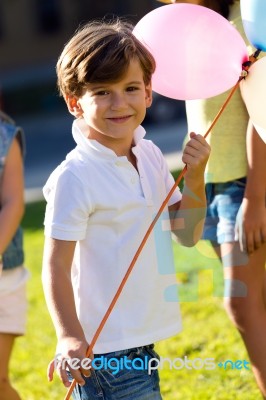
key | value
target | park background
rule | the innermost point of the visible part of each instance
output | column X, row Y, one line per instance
column 32, row 35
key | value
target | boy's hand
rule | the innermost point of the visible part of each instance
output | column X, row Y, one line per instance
column 195, row 156
column 71, row 355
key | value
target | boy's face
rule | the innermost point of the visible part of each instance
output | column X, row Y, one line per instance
column 113, row 111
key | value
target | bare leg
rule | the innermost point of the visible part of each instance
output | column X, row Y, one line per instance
column 245, row 303
column 7, row 392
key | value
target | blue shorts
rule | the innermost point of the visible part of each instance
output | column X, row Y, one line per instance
column 113, row 378
column 223, row 201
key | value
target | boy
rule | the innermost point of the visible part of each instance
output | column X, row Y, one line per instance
column 100, row 202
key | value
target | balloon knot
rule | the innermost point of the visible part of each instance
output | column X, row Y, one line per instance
column 245, row 67
column 247, row 64
column 244, row 73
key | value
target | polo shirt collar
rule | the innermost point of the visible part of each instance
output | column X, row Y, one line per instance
column 96, row 149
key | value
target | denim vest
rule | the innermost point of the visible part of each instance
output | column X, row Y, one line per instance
column 13, row 255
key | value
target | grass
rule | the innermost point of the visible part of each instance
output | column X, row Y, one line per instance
column 207, row 332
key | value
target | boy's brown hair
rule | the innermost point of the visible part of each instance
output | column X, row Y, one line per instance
column 100, row 52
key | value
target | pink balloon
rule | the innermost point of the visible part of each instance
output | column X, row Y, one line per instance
column 253, row 89
column 198, row 53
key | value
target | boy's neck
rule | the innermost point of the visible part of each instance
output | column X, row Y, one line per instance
column 121, row 147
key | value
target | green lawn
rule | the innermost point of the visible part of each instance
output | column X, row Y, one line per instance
column 207, row 332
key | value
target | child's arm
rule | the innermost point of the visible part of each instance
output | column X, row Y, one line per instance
column 253, row 206
column 187, row 216
column 12, row 195
column 56, row 277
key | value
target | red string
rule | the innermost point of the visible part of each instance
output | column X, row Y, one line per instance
column 252, row 59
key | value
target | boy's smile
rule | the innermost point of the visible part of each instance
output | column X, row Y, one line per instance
column 120, row 119
column 113, row 110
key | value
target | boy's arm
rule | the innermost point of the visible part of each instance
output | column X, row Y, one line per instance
column 56, row 277
column 187, row 216
column 253, row 206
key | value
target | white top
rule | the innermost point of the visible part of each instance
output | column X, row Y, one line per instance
column 100, row 200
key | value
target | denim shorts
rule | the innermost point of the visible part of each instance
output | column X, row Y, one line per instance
column 224, row 201
column 133, row 382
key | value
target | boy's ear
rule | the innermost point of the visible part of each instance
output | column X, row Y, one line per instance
column 73, row 106
column 148, row 96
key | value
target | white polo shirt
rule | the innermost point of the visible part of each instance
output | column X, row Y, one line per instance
column 100, row 200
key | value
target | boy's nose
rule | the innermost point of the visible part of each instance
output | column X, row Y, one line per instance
column 118, row 101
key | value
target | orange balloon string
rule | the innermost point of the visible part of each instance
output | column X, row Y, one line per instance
column 252, row 59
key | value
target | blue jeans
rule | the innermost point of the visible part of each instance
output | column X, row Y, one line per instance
column 224, row 201
column 126, row 384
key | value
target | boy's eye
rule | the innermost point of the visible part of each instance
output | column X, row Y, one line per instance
column 102, row 93
column 132, row 88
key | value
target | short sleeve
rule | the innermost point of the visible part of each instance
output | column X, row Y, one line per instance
column 68, row 206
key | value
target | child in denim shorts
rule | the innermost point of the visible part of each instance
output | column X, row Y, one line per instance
column 236, row 215
column 13, row 274
column 100, row 202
